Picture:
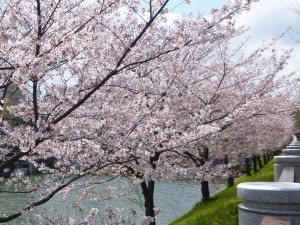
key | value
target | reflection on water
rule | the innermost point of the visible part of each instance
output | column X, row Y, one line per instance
column 173, row 198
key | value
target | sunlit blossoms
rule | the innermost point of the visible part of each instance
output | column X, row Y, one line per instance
column 110, row 88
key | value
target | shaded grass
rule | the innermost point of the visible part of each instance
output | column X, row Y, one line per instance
column 222, row 208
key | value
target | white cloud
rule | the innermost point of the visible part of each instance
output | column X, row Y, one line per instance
column 269, row 18
column 172, row 17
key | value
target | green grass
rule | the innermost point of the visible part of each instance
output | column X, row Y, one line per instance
column 222, row 208
column 297, row 117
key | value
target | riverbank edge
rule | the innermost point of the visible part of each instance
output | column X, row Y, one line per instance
column 222, row 207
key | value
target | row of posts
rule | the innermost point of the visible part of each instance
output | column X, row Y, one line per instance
column 251, row 163
column 255, row 161
column 274, row 203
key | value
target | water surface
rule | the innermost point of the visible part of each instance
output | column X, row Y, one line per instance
column 172, row 198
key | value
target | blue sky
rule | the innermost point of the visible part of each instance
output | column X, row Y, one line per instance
column 195, row 6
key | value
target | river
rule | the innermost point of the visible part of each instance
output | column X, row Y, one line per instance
column 173, row 198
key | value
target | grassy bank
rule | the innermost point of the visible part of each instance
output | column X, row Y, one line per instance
column 222, row 208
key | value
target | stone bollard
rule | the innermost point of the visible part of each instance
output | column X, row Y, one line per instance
column 292, row 147
column 294, row 139
column 291, row 151
column 287, row 166
column 269, row 203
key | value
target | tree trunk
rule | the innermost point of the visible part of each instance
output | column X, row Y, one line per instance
column 230, row 181
column 268, row 156
column 148, row 192
column 204, row 190
column 205, row 153
column 247, row 166
column 226, row 161
column 265, row 159
column 254, row 162
column 259, row 162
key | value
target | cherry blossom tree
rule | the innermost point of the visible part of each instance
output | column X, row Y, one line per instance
column 257, row 100
column 59, row 54
column 207, row 90
column 260, row 94
column 110, row 88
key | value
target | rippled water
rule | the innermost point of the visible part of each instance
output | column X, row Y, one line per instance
column 173, row 198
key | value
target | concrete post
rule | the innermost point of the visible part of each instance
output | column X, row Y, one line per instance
column 266, row 203
column 287, row 166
